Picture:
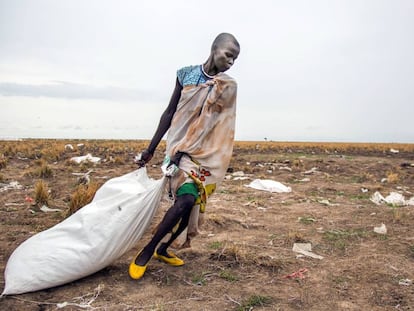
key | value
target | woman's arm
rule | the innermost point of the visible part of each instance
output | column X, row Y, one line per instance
column 164, row 124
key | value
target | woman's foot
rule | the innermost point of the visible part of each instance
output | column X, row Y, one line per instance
column 136, row 268
column 143, row 257
column 162, row 250
column 168, row 257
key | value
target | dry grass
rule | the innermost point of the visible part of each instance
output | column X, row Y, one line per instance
column 393, row 177
column 245, row 250
column 3, row 161
column 82, row 196
column 41, row 193
column 43, row 171
column 323, row 147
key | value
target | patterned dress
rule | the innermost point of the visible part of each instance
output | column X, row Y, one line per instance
column 203, row 128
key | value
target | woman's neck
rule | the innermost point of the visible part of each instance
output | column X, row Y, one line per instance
column 209, row 69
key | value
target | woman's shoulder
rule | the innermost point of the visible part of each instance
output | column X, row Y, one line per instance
column 190, row 75
column 189, row 70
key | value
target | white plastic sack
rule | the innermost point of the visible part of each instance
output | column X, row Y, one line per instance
column 269, row 185
column 90, row 239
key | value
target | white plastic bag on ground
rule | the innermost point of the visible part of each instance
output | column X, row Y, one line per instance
column 269, row 185
column 394, row 198
column 90, row 239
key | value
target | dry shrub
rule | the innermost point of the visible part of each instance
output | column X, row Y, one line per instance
column 86, row 166
column 52, row 153
column 297, row 164
column 231, row 253
column 3, row 161
column 239, row 254
column 44, row 171
column 216, row 219
column 82, row 196
column 366, row 177
column 294, row 237
column 393, row 177
column 41, row 193
column 119, row 160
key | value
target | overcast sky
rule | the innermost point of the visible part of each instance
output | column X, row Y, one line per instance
column 307, row 71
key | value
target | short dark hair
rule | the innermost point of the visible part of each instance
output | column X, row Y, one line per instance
column 224, row 37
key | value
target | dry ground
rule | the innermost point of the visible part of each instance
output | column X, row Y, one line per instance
column 244, row 253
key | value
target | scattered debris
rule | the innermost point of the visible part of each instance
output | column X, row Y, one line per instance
column 300, row 274
column 238, row 175
column 306, row 219
column 305, row 249
column 87, row 157
column 47, row 209
column 364, row 190
column 394, row 150
column 11, row 185
column 83, row 178
column 28, row 199
column 381, row 229
column 304, row 179
column 269, row 185
column 69, row 147
column 394, row 198
column 327, row 203
column 13, row 204
column 83, row 302
column 311, row 171
column 286, row 168
column 405, row 282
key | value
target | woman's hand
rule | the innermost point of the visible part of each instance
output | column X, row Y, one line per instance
column 143, row 158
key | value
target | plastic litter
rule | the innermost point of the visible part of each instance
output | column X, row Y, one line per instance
column 90, row 239
column 405, row 282
column 47, row 209
column 87, row 157
column 327, row 203
column 305, row 249
column 69, row 147
column 394, row 198
column 269, row 185
column 381, row 229
column 11, row 185
column 300, row 274
column 311, row 171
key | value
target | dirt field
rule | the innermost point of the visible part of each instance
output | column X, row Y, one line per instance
column 243, row 257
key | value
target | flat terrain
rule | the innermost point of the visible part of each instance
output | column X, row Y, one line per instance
column 243, row 258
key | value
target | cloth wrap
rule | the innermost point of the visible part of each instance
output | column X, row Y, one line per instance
column 203, row 128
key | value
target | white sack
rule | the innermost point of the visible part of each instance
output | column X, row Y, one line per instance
column 269, row 185
column 90, row 239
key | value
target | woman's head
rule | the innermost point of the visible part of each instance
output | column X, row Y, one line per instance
column 224, row 51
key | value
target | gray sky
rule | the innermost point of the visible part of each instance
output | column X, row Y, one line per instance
column 307, row 71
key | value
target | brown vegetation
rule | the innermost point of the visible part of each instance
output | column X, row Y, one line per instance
column 243, row 258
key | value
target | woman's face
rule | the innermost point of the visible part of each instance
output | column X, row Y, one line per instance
column 224, row 55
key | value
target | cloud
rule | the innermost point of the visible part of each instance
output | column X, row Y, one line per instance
column 69, row 90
